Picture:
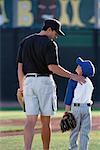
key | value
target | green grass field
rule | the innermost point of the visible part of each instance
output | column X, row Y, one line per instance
column 18, row 114
column 59, row 141
column 5, row 115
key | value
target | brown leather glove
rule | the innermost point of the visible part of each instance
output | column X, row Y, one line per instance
column 20, row 99
column 68, row 122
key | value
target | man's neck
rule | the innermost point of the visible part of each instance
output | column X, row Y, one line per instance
column 42, row 32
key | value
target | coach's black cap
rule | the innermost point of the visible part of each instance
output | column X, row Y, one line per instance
column 54, row 24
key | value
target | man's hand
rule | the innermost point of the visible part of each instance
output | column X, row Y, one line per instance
column 78, row 78
column 57, row 69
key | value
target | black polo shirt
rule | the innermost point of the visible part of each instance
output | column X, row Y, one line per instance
column 36, row 52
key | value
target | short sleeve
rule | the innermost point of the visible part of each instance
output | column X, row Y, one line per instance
column 19, row 54
column 70, row 92
column 51, row 55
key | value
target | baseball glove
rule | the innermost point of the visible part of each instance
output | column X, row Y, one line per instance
column 68, row 122
column 20, row 99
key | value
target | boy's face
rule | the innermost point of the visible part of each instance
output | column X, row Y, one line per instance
column 79, row 70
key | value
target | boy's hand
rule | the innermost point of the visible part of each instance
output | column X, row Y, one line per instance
column 67, row 108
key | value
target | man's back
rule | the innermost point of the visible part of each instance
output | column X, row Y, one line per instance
column 37, row 51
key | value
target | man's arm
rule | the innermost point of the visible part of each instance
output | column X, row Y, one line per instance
column 20, row 76
column 57, row 69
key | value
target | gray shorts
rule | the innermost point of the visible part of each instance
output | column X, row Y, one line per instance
column 40, row 95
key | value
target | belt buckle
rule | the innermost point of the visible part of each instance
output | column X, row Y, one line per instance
column 36, row 75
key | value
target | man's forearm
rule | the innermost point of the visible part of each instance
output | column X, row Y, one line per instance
column 20, row 76
column 57, row 69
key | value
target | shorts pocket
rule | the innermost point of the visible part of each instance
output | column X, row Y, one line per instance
column 54, row 104
column 54, row 100
column 27, row 81
column 28, row 87
column 45, row 81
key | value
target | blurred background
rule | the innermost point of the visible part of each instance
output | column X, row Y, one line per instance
column 80, row 21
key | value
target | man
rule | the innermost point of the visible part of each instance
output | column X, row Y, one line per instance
column 37, row 61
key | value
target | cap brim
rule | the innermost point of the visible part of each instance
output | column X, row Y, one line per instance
column 60, row 33
column 79, row 61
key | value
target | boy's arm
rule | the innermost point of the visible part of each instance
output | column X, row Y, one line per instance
column 69, row 94
column 67, row 108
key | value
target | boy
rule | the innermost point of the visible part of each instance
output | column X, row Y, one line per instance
column 78, row 99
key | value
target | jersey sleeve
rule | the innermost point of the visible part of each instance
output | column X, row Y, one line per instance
column 51, row 55
column 19, row 54
column 70, row 92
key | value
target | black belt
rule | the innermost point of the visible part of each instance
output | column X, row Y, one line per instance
column 37, row 75
column 79, row 104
